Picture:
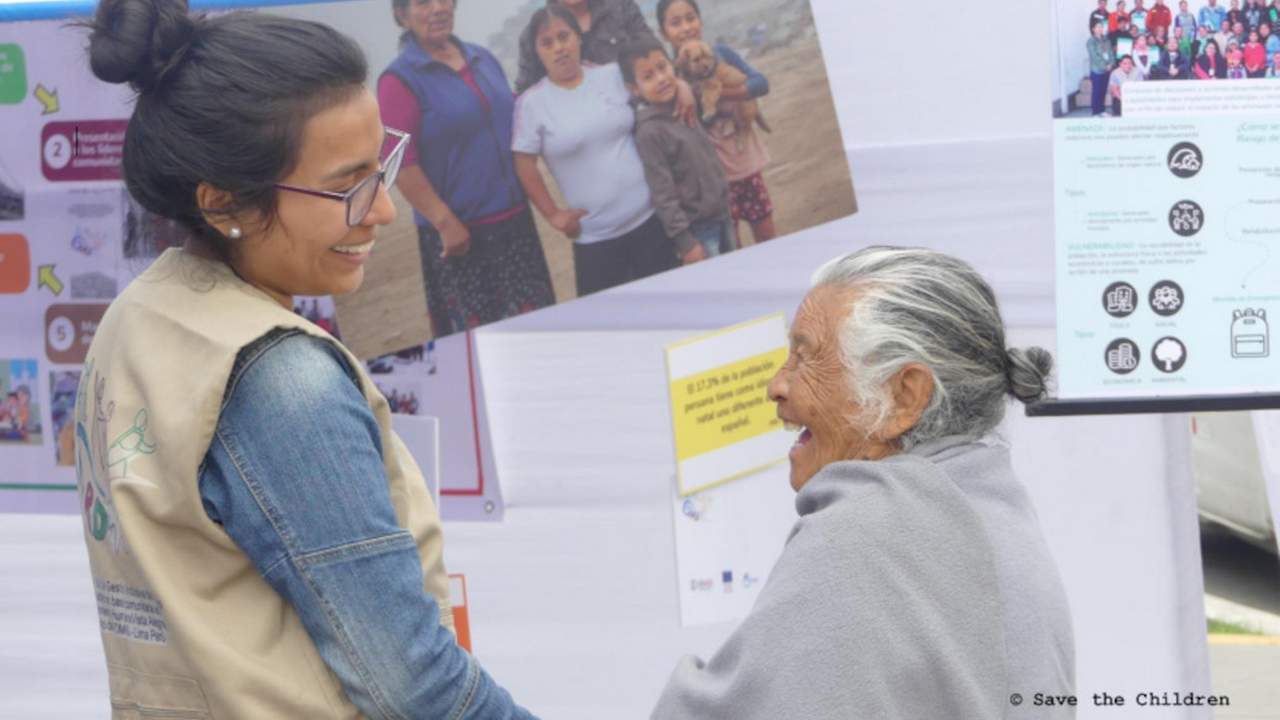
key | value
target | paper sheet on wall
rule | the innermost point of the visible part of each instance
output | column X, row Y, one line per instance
column 724, row 423
column 727, row 539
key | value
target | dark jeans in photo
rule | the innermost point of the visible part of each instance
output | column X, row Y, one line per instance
column 640, row 253
column 1098, row 82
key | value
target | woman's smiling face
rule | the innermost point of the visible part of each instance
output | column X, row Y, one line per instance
column 812, row 390
column 681, row 23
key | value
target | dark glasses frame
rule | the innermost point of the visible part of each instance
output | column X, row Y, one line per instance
column 385, row 175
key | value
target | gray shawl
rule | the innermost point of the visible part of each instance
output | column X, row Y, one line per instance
column 916, row 587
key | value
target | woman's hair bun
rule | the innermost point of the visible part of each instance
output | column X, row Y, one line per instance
column 1029, row 370
column 139, row 41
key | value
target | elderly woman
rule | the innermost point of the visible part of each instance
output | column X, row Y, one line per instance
column 916, row 582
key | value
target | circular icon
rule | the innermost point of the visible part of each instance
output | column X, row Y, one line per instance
column 1166, row 298
column 489, row 507
column 1123, row 356
column 1186, row 218
column 62, row 334
column 1169, row 354
column 57, row 151
column 1120, row 299
column 1015, row 699
column 1185, row 160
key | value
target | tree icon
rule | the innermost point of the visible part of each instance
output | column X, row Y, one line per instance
column 1170, row 354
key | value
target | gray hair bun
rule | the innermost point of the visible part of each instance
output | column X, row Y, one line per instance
column 139, row 41
column 1029, row 370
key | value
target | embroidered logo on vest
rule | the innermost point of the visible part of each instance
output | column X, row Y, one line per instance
column 99, row 462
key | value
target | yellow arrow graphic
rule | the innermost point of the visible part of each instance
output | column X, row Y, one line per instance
column 48, row 99
column 47, row 279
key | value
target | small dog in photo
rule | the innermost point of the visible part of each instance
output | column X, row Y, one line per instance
column 700, row 67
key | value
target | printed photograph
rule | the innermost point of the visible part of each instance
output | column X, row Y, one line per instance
column 563, row 148
column 62, row 408
column 1104, row 44
column 19, row 403
column 12, row 199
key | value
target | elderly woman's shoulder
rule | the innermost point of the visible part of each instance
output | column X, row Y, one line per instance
column 908, row 495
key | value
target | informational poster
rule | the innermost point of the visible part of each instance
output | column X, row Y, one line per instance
column 71, row 239
column 724, row 424
column 1167, row 219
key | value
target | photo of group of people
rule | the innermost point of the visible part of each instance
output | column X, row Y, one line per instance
column 1211, row 42
column 589, row 143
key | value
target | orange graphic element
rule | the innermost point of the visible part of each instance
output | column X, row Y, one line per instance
column 461, row 619
column 15, row 264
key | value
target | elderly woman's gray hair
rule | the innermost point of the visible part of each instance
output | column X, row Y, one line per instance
column 913, row 305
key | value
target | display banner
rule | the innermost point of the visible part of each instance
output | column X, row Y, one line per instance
column 1167, row 213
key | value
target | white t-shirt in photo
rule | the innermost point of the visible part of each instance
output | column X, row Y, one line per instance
column 585, row 137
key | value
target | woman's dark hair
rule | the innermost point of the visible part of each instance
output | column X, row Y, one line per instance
column 665, row 5
column 220, row 100
column 539, row 21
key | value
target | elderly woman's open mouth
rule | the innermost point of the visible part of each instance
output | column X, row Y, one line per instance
column 802, row 439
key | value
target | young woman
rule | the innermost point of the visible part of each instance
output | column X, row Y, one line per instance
column 681, row 21
column 1255, row 55
column 607, row 25
column 243, row 493
column 579, row 121
column 1210, row 65
column 482, row 259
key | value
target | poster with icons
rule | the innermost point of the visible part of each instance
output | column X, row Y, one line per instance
column 1168, row 255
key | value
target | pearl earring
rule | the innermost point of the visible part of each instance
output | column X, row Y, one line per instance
column 235, row 233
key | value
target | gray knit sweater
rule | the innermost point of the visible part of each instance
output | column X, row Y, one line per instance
column 916, row 587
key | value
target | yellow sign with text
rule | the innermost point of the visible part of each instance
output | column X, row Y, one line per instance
column 725, row 405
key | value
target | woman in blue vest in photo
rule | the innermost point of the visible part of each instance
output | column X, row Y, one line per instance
column 482, row 259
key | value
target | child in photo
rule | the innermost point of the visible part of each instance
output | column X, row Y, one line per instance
column 1235, row 67
column 1274, row 70
column 679, row 22
column 687, row 185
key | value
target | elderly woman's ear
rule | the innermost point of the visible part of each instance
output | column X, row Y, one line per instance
column 912, row 389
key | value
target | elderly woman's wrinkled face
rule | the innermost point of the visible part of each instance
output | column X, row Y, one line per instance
column 812, row 390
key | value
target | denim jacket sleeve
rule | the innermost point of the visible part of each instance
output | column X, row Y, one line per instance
column 295, row 476
column 757, row 83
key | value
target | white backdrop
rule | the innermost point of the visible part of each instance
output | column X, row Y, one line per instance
column 572, row 597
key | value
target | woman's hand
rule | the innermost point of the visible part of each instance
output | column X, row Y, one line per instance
column 454, row 236
column 568, row 222
column 686, row 104
column 697, row 254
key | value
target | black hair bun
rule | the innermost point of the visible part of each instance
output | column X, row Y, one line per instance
column 139, row 41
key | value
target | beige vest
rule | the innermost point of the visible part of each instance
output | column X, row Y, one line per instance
column 190, row 629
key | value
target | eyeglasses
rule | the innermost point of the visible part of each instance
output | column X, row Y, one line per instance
column 360, row 198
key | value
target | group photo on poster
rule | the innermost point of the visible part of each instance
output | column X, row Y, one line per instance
column 563, row 148
column 1196, row 40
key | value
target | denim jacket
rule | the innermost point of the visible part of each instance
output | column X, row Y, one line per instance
column 289, row 504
